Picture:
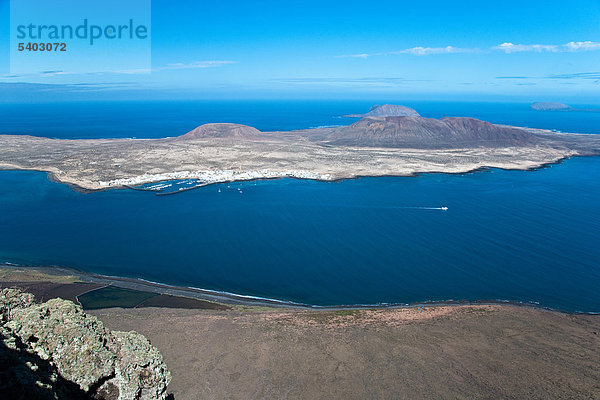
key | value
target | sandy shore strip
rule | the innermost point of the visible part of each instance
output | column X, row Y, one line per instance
column 233, row 299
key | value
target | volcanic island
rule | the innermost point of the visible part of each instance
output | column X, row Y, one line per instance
column 387, row 141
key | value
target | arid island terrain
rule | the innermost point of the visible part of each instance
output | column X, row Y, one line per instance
column 389, row 140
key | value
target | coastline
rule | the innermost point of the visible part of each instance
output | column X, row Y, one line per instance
column 130, row 183
column 99, row 164
column 235, row 299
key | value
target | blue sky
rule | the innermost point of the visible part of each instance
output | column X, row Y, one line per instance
column 325, row 49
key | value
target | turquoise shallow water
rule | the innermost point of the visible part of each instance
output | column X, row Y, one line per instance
column 527, row 236
column 510, row 235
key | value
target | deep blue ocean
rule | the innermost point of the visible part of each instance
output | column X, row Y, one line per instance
column 530, row 236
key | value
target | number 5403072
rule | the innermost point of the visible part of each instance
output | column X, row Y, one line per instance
column 42, row 46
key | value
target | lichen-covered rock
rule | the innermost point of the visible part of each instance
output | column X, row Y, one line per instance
column 139, row 370
column 101, row 363
column 11, row 299
column 60, row 331
column 25, row 376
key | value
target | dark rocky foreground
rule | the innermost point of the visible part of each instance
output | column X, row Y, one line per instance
column 54, row 350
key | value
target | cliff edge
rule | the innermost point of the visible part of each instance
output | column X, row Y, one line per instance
column 53, row 350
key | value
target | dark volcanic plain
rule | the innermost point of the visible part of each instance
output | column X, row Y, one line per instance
column 452, row 352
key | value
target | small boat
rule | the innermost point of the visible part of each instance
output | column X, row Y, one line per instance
column 444, row 208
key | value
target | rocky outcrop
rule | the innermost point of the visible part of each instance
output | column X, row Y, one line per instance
column 54, row 350
column 541, row 106
column 388, row 110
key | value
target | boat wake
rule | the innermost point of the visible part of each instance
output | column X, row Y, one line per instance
column 425, row 208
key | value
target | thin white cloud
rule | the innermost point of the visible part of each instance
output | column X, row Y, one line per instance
column 425, row 51
column 345, row 82
column 192, row 65
column 571, row 47
column 175, row 66
column 582, row 46
column 417, row 51
column 519, row 48
column 507, row 47
column 129, row 71
column 195, row 64
column 364, row 55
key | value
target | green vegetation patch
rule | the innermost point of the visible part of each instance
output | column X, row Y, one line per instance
column 111, row 296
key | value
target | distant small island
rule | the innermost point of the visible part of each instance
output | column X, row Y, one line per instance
column 387, row 110
column 547, row 106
